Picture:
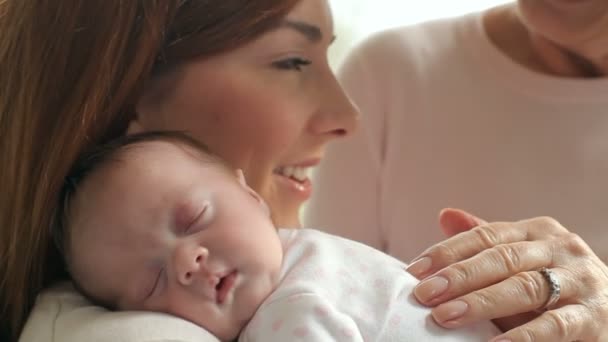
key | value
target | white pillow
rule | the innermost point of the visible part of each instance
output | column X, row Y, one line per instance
column 63, row 315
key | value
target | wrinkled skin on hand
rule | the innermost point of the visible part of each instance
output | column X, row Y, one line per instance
column 490, row 271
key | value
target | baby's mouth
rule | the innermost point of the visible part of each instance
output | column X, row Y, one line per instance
column 224, row 286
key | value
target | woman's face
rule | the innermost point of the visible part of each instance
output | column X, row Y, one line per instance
column 579, row 25
column 268, row 108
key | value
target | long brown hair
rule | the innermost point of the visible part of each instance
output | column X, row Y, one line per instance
column 71, row 73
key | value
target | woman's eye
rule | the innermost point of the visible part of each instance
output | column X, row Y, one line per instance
column 295, row 63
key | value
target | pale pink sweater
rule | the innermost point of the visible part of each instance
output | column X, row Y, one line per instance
column 449, row 121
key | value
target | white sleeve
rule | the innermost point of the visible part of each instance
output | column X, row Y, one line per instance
column 62, row 314
column 347, row 195
column 302, row 317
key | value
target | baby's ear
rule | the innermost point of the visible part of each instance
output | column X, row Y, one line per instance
column 241, row 178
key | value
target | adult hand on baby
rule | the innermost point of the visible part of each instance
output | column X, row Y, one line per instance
column 490, row 271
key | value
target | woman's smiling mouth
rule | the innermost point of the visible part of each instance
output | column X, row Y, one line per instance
column 297, row 178
column 297, row 173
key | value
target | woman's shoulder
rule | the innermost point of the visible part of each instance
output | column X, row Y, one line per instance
column 62, row 314
column 433, row 38
column 414, row 50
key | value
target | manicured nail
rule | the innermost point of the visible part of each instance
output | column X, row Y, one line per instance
column 419, row 266
column 431, row 288
column 450, row 311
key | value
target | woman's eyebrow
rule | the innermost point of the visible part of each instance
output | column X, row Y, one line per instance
column 311, row 32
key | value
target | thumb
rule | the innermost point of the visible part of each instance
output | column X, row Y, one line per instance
column 455, row 221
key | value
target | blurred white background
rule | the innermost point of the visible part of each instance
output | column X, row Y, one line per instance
column 356, row 19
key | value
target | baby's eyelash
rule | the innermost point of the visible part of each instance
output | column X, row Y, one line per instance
column 294, row 63
column 196, row 220
column 156, row 281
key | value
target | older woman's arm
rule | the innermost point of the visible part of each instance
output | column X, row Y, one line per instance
column 492, row 272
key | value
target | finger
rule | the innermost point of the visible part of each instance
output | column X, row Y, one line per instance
column 543, row 227
column 568, row 323
column 524, row 292
column 484, row 269
column 469, row 243
column 466, row 245
column 455, row 221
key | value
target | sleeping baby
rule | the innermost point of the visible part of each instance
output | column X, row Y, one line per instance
column 156, row 222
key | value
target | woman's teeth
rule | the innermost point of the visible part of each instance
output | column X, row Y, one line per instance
column 298, row 173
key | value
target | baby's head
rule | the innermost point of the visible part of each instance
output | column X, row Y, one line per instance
column 155, row 222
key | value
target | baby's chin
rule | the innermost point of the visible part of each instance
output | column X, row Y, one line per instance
column 226, row 331
column 241, row 314
column 230, row 336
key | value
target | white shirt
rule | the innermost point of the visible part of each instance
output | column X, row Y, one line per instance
column 63, row 315
column 449, row 121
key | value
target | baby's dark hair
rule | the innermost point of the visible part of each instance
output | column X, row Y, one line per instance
column 97, row 158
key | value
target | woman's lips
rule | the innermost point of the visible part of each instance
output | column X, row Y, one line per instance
column 301, row 187
column 225, row 285
column 296, row 177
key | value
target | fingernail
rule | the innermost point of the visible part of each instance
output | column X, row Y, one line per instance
column 431, row 288
column 450, row 311
column 502, row 340
column 419, row 266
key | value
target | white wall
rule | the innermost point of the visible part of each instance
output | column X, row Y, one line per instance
column 356, row 19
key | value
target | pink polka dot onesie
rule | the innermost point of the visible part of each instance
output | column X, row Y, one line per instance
column 334, row 289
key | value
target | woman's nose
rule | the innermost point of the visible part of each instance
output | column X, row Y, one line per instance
column 191, row 263
column 337, row 116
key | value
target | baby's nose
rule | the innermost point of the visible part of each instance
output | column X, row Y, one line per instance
column 190, row 263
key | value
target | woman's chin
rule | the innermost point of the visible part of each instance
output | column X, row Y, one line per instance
column 283, row 220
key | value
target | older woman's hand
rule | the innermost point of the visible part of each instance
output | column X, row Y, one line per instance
column 492, row 272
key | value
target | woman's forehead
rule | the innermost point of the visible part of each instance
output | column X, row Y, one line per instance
column 313, row 12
